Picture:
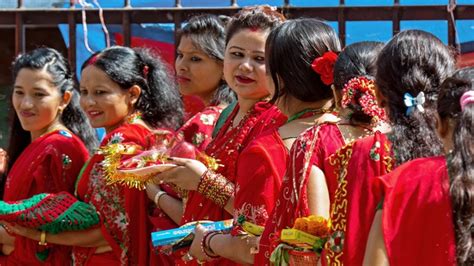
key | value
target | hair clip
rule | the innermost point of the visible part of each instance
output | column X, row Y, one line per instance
column 324, row 66
column 412, row 102
column 466, row 98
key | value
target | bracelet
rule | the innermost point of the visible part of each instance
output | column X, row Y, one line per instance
column 215, row 187
column 42, row 241
column 158, row 195
column 205, row 244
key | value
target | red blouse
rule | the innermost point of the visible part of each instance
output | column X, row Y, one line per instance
column 50, row 164
column 311, row 147
column 355, row 166
column 417, row 216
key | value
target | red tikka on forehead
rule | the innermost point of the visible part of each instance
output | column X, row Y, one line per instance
column 93, row 59
column 254, row 28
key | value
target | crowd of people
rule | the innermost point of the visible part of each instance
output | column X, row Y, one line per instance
column 375, row 137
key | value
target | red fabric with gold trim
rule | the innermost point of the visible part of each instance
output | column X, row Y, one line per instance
column 356, row 167
column 311, row 147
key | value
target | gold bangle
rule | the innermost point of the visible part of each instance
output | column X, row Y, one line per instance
column 42, row 241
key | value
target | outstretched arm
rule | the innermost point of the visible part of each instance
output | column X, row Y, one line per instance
column 84, row 238
column 235, row 248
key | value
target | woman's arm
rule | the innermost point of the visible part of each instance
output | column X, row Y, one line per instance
column 171, row 206
column 235, row 248
column 318, row 193
column 85, row 238
column 187, row 175
column 375, row 251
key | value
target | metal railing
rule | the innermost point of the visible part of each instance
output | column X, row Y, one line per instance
column 22, row 17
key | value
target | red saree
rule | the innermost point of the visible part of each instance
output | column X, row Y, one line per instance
column 260, row 170
column 123, row 211
column 198, row 131
column 356, row 167
column 49, row 164
column 417, row 215
column 227, row 147
column 311, row 147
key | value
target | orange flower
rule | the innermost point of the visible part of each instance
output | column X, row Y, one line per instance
column 318, row 226
column 301, row 224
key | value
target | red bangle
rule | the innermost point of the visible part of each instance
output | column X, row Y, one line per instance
column 205, row 244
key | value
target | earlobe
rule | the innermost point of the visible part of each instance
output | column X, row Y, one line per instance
column 134, row 93
column 67, row 96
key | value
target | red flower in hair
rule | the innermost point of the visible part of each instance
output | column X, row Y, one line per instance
column 324, row 66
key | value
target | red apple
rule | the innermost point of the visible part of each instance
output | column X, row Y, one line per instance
column 184, row 149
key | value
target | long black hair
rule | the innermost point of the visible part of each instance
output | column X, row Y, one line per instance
column 207, row 33
column 460, row 161
column 357, row 60
column 72, row 117
column 413, row 61
column 159, row 101
column 290, row 49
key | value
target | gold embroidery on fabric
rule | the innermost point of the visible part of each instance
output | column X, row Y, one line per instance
column 339, row 207
column 387, row 160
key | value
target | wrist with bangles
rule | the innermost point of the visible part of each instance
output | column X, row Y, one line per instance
column 215, row 187
column 206, row 244
column 157, row 197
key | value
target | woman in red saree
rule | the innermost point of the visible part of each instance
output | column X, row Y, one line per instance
column 199, row 71
column 244, row 71
column 46, row 144
column 198, row 65
column 410, row 137
column 304, row 172
column 427, row 211
column 296, row 95
column 356, row 165
column 124, row 91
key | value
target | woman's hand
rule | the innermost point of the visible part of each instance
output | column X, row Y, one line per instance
column 195, row 250
column 186, row 175
column 3, row 161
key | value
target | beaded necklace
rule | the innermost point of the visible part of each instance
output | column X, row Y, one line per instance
column 228, row 144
